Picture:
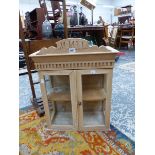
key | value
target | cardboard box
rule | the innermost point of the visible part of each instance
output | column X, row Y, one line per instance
column 117, row 12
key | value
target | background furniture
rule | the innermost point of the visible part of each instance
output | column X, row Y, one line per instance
column 34, row 20
column 36, row 17
column 90, row 6
column 114, row 36
column 28, row 47
column 54, row 14
column 106, row 35
column 127, row 36
column 32, row 46
column 47, row 13
column 77, row 81
column 35, row 45
column 124, row 13
column 21, row 36
column 96, row 32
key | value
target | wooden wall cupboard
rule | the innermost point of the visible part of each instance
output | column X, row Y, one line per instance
column 77, row 101
column 77, row 86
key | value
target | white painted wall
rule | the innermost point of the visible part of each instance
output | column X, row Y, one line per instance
column 100, row 10
column 103, row 8
column 119, row 3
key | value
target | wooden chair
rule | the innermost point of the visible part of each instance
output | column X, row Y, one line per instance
column 127, row 36
column 114, row 36
column 106, row 36
column 49, row 14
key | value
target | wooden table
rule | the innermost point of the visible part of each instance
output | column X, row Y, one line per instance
column 95, row 31
column 85, row 28
column 35, row 45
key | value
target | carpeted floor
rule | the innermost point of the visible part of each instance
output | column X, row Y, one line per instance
column 123, row 95
column 36, row 139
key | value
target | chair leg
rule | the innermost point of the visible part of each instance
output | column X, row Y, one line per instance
column 119, row 45
column 120, row 42
column 133, row 42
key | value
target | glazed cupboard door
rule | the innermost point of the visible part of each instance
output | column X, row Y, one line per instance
column 59, row 98
column 94, row 98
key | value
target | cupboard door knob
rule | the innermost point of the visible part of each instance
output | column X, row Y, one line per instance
column 80, row 103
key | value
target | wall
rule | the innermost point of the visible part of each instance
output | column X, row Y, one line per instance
column 102, row 8
column 120, row 3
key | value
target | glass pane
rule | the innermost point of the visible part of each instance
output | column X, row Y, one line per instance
column 58, row 90
column 48, row 84
column 93, row 99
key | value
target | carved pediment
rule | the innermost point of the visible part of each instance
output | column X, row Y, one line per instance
column 49, row 50
column 76, row 43
column 80, row 45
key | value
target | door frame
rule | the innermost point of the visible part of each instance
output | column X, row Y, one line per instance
column 73, row 93
column 108, row 90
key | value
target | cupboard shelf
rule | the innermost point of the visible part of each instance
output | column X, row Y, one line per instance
column 93, row 94
column 62, row 118
column 88, row 95
column 59, row 96
column 89, row 119
column 93, row 118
